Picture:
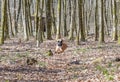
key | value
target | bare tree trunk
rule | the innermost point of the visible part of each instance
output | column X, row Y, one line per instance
column 96, row 22
column 69, row 2
column 115, row 35
column 18, row 14
column 73, row 21
column 15, row 24
column 6, row 29
column 10, row 20
column 65, row 33
column 24, row 20
column 80, row 21
column 82, row 29
column 48, row 19
column 88, row 15
column 59, row 20
column 54, row 29
column 101, row 21
column 3, row 21
column 40, row 24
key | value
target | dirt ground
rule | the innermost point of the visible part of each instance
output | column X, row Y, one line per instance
column 88, row 62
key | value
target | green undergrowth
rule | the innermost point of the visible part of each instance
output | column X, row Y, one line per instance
column 107, row 72
column 42, row 64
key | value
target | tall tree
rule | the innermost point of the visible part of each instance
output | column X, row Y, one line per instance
column 96, row 22
column 10, row 19
column 24, row 18
column 15, row 24
column 65, row 33
column 54, row 27
column 115, row 32
column 6, row 29
column 37, row 22
column 4, row 7
column 29, row 18
column 80, row 21
column 58, row 20
column 36, row 16
column 73, row 21
column 82, row 29
column 48, row 19
column 101, row 21
column 18, row 14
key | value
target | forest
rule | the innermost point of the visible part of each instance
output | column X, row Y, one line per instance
column 59, row 41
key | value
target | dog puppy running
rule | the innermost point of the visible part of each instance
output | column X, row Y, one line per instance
column 60, row 47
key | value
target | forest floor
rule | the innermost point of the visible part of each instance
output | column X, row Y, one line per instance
column 88, row 62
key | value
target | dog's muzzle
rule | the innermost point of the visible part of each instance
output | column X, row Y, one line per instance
column 60, row 43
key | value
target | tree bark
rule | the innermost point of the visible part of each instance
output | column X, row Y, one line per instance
column 3, row 21
column 48, row 19
column 58, row 20
column 24, row 18
column 115, row 32
column 101, row 21
column 96, row 22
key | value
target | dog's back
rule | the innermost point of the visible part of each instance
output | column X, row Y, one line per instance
column 64, row 46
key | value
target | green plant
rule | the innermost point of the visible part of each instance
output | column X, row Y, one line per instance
column 105, row 72
column 6, row 80
column 41, row 64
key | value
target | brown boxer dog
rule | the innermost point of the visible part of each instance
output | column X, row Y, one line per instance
column 60, row 47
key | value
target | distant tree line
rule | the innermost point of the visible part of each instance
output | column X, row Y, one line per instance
column 49, row 19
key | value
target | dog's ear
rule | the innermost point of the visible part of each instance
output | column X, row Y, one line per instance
column 58, row 41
